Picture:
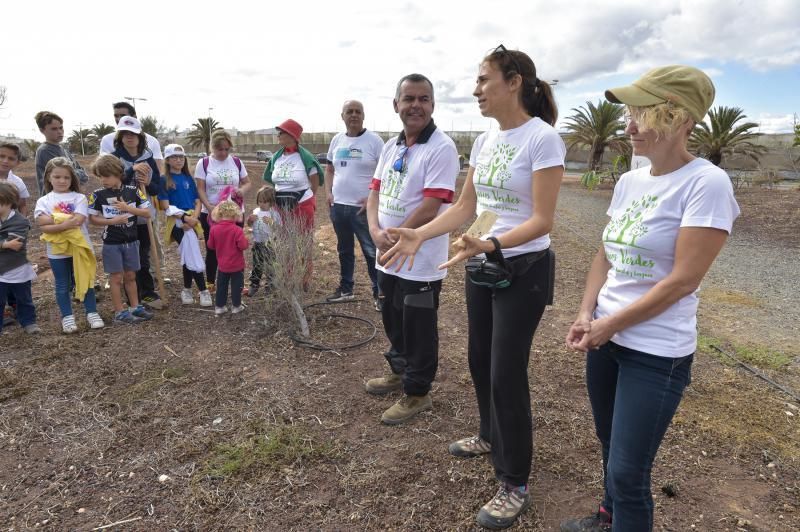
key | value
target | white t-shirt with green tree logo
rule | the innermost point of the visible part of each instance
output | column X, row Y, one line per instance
column 647, row 213
column 430, row 166
column 504, row 163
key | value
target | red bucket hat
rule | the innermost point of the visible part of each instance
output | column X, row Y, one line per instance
column 292, row 128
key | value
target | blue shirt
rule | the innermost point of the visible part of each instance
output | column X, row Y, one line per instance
column 184, row 195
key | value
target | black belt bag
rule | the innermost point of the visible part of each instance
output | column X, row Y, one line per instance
column 495, row 271
column 287, row 200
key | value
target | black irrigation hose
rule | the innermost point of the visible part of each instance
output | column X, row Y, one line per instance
column 791, row 393
column 320, row 347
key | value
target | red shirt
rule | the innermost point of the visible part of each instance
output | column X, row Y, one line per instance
column 228, row 240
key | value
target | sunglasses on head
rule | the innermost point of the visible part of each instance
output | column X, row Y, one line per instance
column 400, row 164
column 502, row 50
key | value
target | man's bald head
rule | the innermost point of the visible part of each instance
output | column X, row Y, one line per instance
column 353, row 117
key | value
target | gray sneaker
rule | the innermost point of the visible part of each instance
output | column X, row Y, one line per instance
column 126, row 317
column 32, row 328
column 470, row 447
column 340, row 296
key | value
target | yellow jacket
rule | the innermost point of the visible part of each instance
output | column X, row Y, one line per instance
column 73, row 242
column 171, row 223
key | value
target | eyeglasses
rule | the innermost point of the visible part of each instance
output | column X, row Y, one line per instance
column 503, row 50
column 400, row 164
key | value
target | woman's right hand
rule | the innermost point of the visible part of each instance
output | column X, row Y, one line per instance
column 581, row 327
column 406, row 244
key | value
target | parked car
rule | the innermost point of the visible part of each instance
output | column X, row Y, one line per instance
column 323, row 158
column 264, row 155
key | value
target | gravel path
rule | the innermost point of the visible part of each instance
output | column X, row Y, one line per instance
column 763, row 272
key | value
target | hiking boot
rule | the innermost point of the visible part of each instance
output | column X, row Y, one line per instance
column 385, row 384
column 141, row 312
column 378, row 300
column 340, row 296
column 219, row 311
column 599, row 522
column 186, row 297
column 205, row 299
column 505, row 507
column 153, row 302
column 32, row 328
column 470, row 447
column 407, row 407
column 68, row 325
column 237, row 310
column 125, row 317
column 9, row 317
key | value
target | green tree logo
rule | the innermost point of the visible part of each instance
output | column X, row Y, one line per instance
column 393, row 183
column 629, row 226
column 496, row 173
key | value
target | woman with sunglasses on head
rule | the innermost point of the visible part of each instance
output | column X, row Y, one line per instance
column 515, row 172
column 638, row 319
column 219, row 176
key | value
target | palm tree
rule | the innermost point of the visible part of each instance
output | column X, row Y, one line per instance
column 726, row 136
column 96, row 134
column 597, row 127
column 31, row 146
column 80, row 142
column 202, row 131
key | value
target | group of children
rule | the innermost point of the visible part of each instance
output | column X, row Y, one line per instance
column 122, row 207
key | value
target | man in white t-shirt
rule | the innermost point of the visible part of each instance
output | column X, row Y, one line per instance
column 353, row 156
column 414, row 181
column 107, row 142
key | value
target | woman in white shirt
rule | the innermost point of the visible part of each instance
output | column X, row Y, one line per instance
column 214, row 175
column 515, row 173
column 637, row 322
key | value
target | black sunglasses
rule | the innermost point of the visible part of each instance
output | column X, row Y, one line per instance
column 504, row 51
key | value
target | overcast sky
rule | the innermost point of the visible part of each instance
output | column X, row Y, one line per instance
column 259, row 63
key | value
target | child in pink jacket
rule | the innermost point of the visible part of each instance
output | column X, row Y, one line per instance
column 229, row 242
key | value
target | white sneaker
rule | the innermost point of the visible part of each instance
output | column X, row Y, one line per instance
column 219, row 311
column 205, row 299
column 186, row 296
column 95, row 321
column 68, row 325
column 237, row 310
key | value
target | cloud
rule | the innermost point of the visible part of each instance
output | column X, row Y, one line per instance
column 775, row 123
column 346, row 44
column 425, row 38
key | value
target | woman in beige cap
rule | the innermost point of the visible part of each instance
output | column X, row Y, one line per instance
column 637, row 322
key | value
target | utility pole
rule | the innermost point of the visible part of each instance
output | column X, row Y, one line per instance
column 209, row 111
column 133, row 100
column 80, row 134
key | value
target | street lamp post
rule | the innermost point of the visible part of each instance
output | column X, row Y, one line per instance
column 133, row 100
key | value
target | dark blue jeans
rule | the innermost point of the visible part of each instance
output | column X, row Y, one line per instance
column 21, row 292
column 347, row 222
column 634, row 396
column 62, row 278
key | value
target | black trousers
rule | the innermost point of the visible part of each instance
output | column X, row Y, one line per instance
column 188, row 275
column 211, row 255
column 501, row 326
column 236, row 281
column 410, row 319
column 144, row 281
column 263, row 257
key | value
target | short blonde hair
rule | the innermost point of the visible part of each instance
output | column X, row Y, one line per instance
column 218, row 136
column 228, row 210
column 108, row 166
column 663, row 118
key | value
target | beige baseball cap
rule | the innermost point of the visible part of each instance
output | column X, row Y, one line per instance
column 684, row 86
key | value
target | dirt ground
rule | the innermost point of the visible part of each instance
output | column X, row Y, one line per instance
column 191, row 422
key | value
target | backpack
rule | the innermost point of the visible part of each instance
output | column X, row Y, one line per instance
column 236, row 161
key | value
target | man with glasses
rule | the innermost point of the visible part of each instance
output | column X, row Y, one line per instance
column 414, row 181
column 353, row 156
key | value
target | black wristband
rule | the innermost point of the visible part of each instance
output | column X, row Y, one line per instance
column 496, row 243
